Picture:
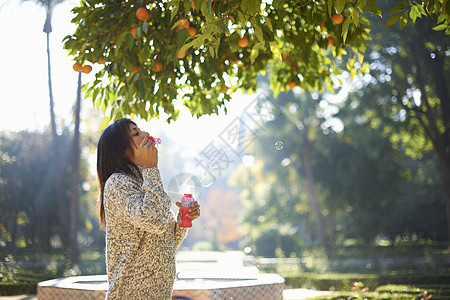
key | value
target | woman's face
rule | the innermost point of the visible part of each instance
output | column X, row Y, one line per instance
column 137, row 136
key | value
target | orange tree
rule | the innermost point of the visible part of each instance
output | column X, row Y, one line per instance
column 201, row 51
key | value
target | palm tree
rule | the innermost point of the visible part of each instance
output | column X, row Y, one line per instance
column 49, row 6
column 75, row 180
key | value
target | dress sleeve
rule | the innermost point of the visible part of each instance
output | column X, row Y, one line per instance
column 180, row 233
column 145, row 206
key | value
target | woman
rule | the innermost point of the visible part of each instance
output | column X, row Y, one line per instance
column 142, row 233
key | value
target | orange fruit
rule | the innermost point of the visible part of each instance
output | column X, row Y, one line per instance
column 330, row 40
column 181, row 54
column 243, row 42
column 322, row 24
column 224, row 89
column 192, row 31
column 77, row 67
column 133, row 31
column 101, row 61
column 142, row 14
column 136, row 69
column 86, row 69
column 337, row 18
column 157, row 67
column 183, row 24
column 291, row 85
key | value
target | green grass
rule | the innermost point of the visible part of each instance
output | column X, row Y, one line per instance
column 374, row 286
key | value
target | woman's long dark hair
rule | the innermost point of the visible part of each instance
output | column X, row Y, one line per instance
column 113, row 145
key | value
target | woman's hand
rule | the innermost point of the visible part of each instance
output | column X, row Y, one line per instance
column 194, row 211
column 148, row 154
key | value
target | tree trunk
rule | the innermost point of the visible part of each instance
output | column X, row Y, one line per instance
column 75, row 180
column 445, row 182
column 437, row 69
column 440, row 140
column 56, row 150
column 14, row 229
column 305, row 149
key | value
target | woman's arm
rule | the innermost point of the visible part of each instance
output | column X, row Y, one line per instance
column 180, row 233
column 146, row 206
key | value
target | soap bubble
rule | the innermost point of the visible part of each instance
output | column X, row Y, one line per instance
column 206, row 181
column 279, row 145
column 184, row 183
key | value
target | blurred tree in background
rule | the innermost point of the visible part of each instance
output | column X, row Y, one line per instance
column 384, row 151
column 28, row 200
column 410, row 72
column 366, row 186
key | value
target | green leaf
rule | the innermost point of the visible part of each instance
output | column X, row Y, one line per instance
column 259, row 34
column 185, row 47
column 143, row 55
column 174, row 12
column 129, row 40
column 145, row 27
column 138, row 32
column 277, row 3
column 392, row 20
column 373, row 8
column 362, row 4
column 421, row 9
column 255, row 52
column 440, row 27
column 275, row 50
column 403, row 20
column 446, row 7
column 252, row 7
column 206, row 7
column 345, row 29
column 105, row 122
column 95, row 94
column 329, row 6
column 340, row 5
column 355, row 17
column 269, row 24
column 176, row 24
column 187, row 7
column 242, row 18
column 222, row 25
column 414, row 13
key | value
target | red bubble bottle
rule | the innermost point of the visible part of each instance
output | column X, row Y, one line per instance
column 186, row 203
